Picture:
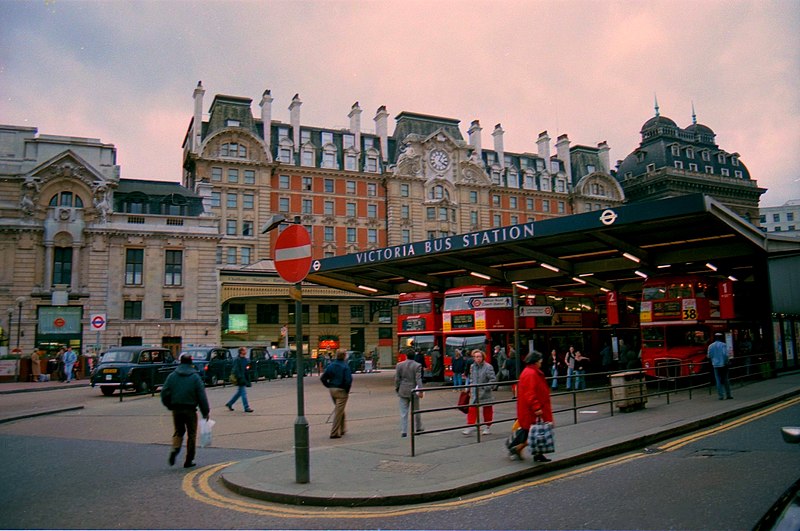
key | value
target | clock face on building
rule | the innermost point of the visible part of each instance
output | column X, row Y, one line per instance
column 439, row 160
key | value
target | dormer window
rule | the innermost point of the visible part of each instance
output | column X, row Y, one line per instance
column 561, row 186
column 735, row 161
column 554, row 167
column 174, row 205
column 721, row 158
column 327, row 138
column 135, row 203
column 329, row 159
column 706, row 155
column 350, row 162
column 283, row 132
column 232, row 123
column 372, row 164
column 725, row 172
column 679, row 164
column 545, row 184
column 640, row 156
column 590, row 168
column 530, row 182
column 676, row 150
column 496, row 176
column 66, row 199
column 308, row 157
column 651, row 168
column 285, row 155
column 305, row 136
column 348, row 141
column 690, row 152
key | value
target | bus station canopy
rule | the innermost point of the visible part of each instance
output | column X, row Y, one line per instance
column 612, row 249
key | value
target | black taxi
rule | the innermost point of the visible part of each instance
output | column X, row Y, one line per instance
column 139, row 368
column 214, row 364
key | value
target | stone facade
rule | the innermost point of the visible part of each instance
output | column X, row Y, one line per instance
column 76, row 240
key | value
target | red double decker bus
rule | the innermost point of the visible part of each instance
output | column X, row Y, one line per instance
column 678, row 317
column 419, row 325
column 477, row 317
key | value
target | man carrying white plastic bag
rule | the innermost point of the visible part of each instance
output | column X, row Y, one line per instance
column 205, row 432
column 182, row 393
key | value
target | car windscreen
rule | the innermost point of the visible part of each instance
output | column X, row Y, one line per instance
column 197, row 355
column 117, row 356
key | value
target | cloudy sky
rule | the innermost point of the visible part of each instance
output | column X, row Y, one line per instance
column 124, row 71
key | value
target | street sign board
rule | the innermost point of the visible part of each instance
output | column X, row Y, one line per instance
column 536, row 311
column 98, row 321
column 490, row 302
column 293, row 254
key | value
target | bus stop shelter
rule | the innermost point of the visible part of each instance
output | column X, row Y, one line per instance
column 594, row 252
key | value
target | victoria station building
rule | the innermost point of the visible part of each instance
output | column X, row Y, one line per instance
column 91, row 259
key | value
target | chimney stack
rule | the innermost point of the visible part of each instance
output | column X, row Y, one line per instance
column 605, row 159
column 197, row 122
column 355, row 124
column 543, row 145
column 266, row 119
column 475, row 137
column 382, row 130
column 562, row 150
column 498, row 145
column 294, row 118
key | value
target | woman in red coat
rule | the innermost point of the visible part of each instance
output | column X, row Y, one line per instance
column 533, row 398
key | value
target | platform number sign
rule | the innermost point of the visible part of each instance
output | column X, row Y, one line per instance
column 689, row 309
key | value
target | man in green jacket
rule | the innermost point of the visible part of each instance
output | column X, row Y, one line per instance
column 182, row 393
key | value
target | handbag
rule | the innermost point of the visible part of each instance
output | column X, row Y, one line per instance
column 233, row 379
column 205, row 432
column 463, row 400
column 541, row 438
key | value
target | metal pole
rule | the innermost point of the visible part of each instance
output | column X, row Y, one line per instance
column 514, row 303
column 19, row 323
column 301, row 457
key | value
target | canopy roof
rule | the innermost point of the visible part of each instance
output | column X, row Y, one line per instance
column 584, row 252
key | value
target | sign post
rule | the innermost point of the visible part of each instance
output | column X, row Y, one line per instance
column 98, row 323
column 293, row 261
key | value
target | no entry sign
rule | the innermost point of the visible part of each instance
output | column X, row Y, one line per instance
column 293, row 253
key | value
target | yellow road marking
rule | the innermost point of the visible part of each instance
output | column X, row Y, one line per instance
column 197, row 484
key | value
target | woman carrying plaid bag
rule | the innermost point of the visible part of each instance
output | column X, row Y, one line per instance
column 534, row 411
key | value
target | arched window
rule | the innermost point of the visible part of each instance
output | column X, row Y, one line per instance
column 232, row 149
column 174, row 205
column 66, row 199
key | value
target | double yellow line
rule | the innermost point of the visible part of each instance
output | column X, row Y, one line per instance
column 197, row 484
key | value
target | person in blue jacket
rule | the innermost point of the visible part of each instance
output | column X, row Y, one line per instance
column 718, row 354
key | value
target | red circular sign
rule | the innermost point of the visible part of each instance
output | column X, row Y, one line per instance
column 293, row 253
column 59, row 322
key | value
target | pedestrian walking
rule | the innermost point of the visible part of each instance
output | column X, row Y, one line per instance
column 569, row 361
column 533, row 403
column 241, row 378
column 581, row 366
column 458, row 365
column 338, row 379
column 69, row 361
column 183, row 392
column 554, row 365
column 718, row 354
column 408, row 386
column 480, row 373
column 36, row 367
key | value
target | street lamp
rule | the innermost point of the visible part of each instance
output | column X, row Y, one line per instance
column 8, row 332
column 301, row 450
column 20, row 302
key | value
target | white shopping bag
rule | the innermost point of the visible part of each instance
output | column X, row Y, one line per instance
column 205, row 432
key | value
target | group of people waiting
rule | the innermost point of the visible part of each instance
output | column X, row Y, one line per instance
column 66, row 358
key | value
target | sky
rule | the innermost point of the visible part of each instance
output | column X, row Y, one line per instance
column 124, row 71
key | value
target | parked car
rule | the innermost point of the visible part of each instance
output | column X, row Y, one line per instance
column 261, row 363
column 139, row 368
column 356, row 361
column 214, row 364
column 286, row 362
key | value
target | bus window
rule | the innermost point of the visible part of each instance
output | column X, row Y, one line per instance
column 680, row 336
column 653, row 336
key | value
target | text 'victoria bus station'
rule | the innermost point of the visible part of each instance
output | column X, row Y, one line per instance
column 606, row 255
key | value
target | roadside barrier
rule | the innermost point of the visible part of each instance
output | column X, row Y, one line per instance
column 626, row 390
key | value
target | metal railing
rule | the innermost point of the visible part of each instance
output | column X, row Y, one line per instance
column 632, row 392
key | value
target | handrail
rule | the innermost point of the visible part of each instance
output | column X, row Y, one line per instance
column 741, row 369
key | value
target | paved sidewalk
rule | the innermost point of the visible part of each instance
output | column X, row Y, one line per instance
column 372, row 464
column 448, row 464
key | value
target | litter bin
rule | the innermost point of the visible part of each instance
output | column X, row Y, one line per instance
column 52, row 369
column 628, row 390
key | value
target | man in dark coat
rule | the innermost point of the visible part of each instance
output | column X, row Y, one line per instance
column 338, row 379
column 182, row 393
